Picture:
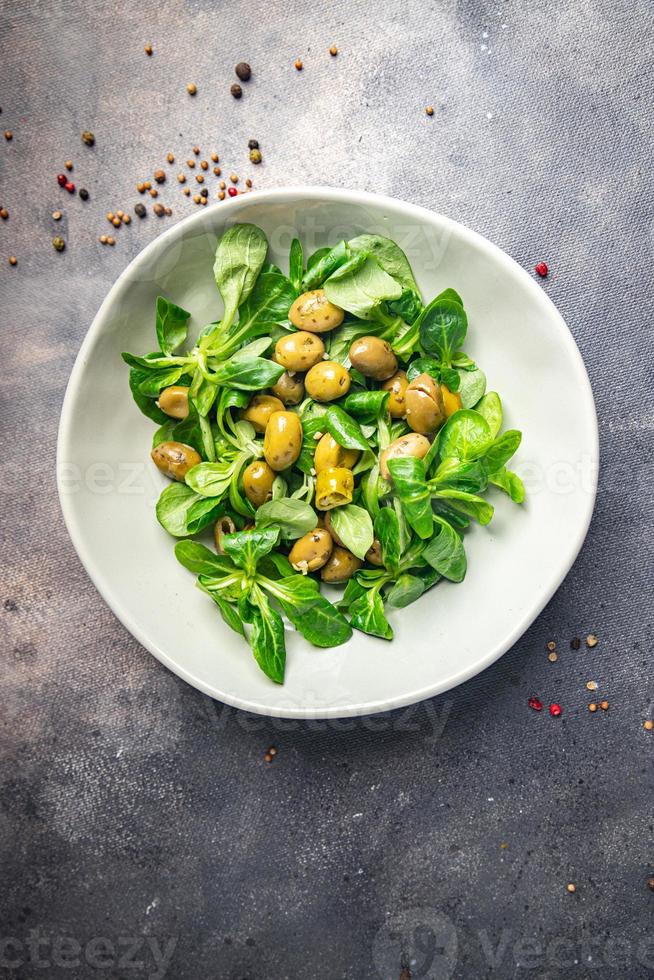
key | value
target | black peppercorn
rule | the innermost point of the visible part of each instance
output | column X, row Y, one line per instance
column 204, row 192
column 243, row 71
column 88, row 138
column 236, row 91
column 575, row 643
column 140, row 210
column 83, row 193
column 253, row 144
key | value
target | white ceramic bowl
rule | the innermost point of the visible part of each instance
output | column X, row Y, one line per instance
column 108, row 485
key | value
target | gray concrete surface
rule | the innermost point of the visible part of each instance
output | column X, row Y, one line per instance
column 435, row 842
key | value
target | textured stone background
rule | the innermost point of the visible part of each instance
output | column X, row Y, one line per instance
column 132, row 805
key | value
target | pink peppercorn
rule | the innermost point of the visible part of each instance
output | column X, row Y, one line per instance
column 62, row 180
column 542, row 269
column 555, row 710
column 70, row 187
column 232, row 191
column 535, row 703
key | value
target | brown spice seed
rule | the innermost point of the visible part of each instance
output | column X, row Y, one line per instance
column 272, row 750
column 148, row 49
column 220, row 195
column 604, row 705
column 591, row 640
column 552, row 657
column 110, row 240
column 159, row 210
column 217, row 171
column 299, row 65
column 4, row 214
column 196, row 150
column 88, row 138
column 187, row 191
column 236, row 90
column 572, row 888
column 592, row 706
column 116, row 222
column 57, row 215
column 181, row 178
column 168, row 210
column 190, row 163
column 648, row 725
column 243, row 71
column 233, row 178
column 248, row 182
column 9, row 136
column 191, row 88
column 126, row 219
column 159, row 176
column 551, row 645
column 575, row 643
column 13, row 260
column 267, row 757
column 110, row 216
column 197, row 198
column 153, row 192
column 102, row 239
column 333, row 51
column 430, row 110
column 120, row 214
column 147, row 185
column 215, row 157
column 199, row 178
column 222, row 185
column 170, row 158
column 58, row 244
column 68, row 165
column 204, row 164
column 591, row 685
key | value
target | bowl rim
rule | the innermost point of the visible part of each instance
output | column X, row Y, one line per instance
column 289, row 195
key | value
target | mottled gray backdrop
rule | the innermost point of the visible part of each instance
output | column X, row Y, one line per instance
column 435, row 842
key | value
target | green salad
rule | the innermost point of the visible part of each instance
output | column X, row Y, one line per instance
column 330, row 429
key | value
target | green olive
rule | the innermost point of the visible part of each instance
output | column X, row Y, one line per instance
column 374, row 553
column 397, row 385
column 258, row 479
column 341, row 566
column 327, row 381
column 299, row 351
column 224, row 525
column 412, row 444
column 290, row 388
column 425, row 411
column 174, row 401
column 373, row 357
column 312, row 311
column 175, row 459
column 329, row 453
column 283, row 440
column 260, row 409
column 312, row 551
column 451, row 401
column 334, row 487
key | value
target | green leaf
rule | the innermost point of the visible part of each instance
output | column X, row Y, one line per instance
column 353, row 525
column 409, row 306
column 201, row 561
column 465, row 435
column 146, row 404
column 502, row 449
column 467, row 503
column 472, row 385
column 367, row 615
column 269, row 301
column 239, row 257
column 471, row 475
column 442, row 325
column 410, row 482
column 344, row 429
column 295, row 264
column 314, row 616
column 172, row 325
column 228, row 613
column 293, row 517
column 405, row 590
column 250, row 374
column 490, row 407
column 267, row 637
column 204, row 511
column 389, row 256
column 245, row 548
column 387, row 529
column 510, row 483
column 361, row 289
column 212, row 479
column 322, row 264
column 174, row 510
column 367, row 405
column 445, row 552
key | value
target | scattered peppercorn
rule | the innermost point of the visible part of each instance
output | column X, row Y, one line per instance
column 190, row 163
column 62, row 180
column 253, row 144
column 192, row 88
column 111, row 240
column 204, row 164
column 542, row 269
column 243, row 71
column 222, row 185
column 333, row 51
column 552, row 657
column 126, row 219
column 648, row 725
column 575, row 643
column 233, row 178
column 9, row 136
column 159, row 210
column 58, row 244
column 148, row 49
column 650, row 884
column 572, row 888
column 591, row 640
column 57, row 215
column 204, row 192
column 199, row 178
column 299, row 65
column 592, row 707
column 555, row 710
column 215, row 158
column 535, row 703
column 140, row 210
column 159, row 176
column 604, row 705
column 255, row 156
column 217, row 171
column 267, row 757
column 232, row 191
column 430, row 110
column 83, row 193
column 102, row 239
column 147, row 185
column 153, row 192
column 88, row 139
column 170, row 158
column 196, row 198
column 236, row 90
column 13, row 260
column 220, row 195
column 68, row 165
column 70, row 187
column 4, row 213
column 248, row 182
column 187, row 191
column 551, row 645
column 591, row 685
column 168, row 210
column 141, row 187
column 116, row 222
